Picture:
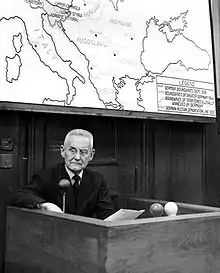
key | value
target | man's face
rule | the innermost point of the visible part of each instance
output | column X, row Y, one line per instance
column 77, row 152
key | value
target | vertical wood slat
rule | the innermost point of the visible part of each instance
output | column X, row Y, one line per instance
column 179, row 162
column 187, row 163
column 9, row 127
column 163, row 163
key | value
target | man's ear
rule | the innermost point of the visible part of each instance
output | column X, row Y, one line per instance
column 62, row 151
column 92, row 153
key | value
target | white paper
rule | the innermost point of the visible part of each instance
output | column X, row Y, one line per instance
column 124, row 214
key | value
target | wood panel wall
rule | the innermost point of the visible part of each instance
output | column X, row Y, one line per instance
column 139, row 158
column 179, row 163
column 9, row 177
column 212, row 162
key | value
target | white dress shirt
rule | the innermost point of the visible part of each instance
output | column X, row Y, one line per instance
column 71, row 175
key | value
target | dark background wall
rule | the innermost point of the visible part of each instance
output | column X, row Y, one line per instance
column 166, row 160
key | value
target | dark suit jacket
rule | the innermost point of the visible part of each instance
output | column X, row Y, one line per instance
column 93, row 199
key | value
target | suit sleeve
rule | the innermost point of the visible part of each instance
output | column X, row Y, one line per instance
column 104, row 207
column 30, row 195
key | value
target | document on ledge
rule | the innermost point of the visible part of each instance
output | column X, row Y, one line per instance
column 124, row 214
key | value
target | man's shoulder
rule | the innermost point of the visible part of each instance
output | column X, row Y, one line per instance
column 94, row 176
column 92, row 172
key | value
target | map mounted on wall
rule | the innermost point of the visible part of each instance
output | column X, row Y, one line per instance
column 138, row 56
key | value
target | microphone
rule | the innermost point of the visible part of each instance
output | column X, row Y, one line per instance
column 64, row 185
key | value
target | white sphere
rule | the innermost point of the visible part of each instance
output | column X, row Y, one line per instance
column 171, row 208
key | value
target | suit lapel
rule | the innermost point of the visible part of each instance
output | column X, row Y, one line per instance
column 86, row 192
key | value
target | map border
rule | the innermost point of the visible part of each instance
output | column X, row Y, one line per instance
column 44, row 108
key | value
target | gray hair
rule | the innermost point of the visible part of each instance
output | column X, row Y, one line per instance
column 80, row 132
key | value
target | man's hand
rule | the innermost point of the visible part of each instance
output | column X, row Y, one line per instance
column 50, row 207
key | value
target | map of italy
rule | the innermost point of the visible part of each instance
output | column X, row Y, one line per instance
column 106, row 54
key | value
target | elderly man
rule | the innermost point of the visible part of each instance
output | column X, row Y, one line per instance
column 86, row 194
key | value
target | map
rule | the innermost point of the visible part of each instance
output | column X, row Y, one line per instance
column 134, row 55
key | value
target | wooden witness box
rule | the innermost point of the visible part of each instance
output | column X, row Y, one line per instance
column 46, row 242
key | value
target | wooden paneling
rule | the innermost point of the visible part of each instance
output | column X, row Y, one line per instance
column 162, row 161
column 187, row 243
column 157, row 159
column 118, row 142
column 179, row 164
column 9, row 127
column 187, row 163
column 52, row 242
column 212, row 164
column 39, row 241
column 129, row 154
column 139, row 158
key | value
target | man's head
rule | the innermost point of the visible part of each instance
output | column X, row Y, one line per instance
column 77, row 149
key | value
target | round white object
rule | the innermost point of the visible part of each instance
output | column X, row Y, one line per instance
column 171, row 208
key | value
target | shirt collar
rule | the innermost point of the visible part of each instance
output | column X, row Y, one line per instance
column 71, row 174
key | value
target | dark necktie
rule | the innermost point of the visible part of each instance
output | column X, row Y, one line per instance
column 72, row 194
column 75, row 189
column 76, row 179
